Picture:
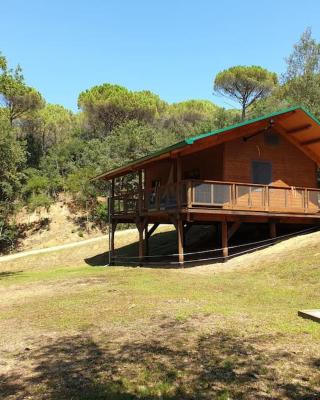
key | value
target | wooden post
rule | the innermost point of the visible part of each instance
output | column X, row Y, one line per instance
column 180, row 241
column 273, row 230
column 112, row 197
column 111, row 250
column 146, row 240
column 140, row 226
column 140, row 192
column 178, row 183
column 189, row 194
column 112, row 222
column 224, row 238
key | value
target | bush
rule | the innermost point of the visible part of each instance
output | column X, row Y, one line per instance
column 39, row 200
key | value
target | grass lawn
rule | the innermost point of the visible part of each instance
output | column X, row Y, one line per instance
column 71, row 329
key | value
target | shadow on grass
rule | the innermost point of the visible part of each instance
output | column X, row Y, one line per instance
column 7, row 274
column 159, row 244
column 199, row 240
column 162, row 365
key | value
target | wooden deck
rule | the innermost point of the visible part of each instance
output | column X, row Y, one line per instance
column 228, row 204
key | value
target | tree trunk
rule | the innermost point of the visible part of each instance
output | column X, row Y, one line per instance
column 243, row 114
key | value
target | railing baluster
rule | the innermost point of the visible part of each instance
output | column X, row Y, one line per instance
column 189, row 194
column 285, row 198
column 306, row 200
column 212, row 194
column 233, row 195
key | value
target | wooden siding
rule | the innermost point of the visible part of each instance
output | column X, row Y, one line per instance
column 209, row 163
column 290, row 166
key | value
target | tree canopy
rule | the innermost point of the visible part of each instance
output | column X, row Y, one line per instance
column 107, row 106
column 18, row 98
column 245, row 84
column 302, row 78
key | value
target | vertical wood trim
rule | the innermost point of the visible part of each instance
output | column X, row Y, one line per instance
column 233, row 195
column 178, row 182
column 189, row 194
column 306, row 200
column 140, row 192
column 112, row 196
column 224, row 238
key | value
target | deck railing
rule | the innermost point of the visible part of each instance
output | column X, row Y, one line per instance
column 219, row 195
column 125, row 203
column 243, row 196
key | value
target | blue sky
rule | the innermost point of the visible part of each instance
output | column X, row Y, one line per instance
column 173, row 48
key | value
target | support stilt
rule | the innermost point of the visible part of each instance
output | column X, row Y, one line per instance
column 147, row 236
column 140, row 227
column 180, row 241
column 224, row 239
column 146, row 240
column 273, row 230
column 111, row 250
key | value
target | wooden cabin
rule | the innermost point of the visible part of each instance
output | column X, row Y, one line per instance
column 263, row 170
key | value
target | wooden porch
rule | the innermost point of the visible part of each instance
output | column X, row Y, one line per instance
column 203, row 201
column 216, row 197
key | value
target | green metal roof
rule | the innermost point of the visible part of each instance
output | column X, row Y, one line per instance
column 193, row 139
column 250, row 121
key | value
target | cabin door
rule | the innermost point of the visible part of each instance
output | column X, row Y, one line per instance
column 261, row 172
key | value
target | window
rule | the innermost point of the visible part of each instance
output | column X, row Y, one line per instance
column 261, row 172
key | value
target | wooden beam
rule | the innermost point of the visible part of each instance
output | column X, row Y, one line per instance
column 299, row 129
column 150, row 232
column 311, row 141
column 224, row 238
column 235, row 226
column 296, row 143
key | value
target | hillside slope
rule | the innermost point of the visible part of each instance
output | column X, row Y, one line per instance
column 61, row 224
column 73, row 329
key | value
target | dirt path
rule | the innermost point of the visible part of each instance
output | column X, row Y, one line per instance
column 11, row 257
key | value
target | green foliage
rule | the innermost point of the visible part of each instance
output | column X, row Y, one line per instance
column 245, row 84
column 35, row 184
column 100, row 213
column 193, row 110
column 130, row 141
column 302, row 78
column 107, row 106
column 17, row 97
column 12, row 159
column 48, row 127
column 37, row 201
column 79, row 184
